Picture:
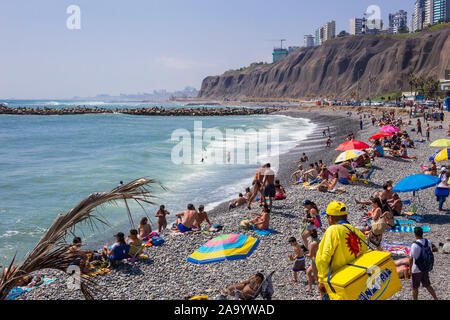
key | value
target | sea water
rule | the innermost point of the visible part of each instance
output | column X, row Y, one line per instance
column 48, row 164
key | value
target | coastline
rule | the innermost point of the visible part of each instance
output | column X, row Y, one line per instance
column 167, row 274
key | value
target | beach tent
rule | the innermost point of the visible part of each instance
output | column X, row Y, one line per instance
column 381, row 135
column 225, row 247
column 348, row 155
column 415, row 183
column 440, row 155
column 441, row 143
column 353, row 145
column 390, row 129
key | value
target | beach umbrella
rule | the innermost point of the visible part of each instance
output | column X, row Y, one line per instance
column 342, row 171
column 381, row 135
column 391, row 129
column 224, row 247
column 440, row 155
column 416, row 182
column 441, row 143
column 348, row 155
column 353, row 145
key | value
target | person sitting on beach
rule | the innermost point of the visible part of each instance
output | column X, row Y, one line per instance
column 396, row 205
column 269, row 185
column 134, row 242
column 161, row 215
column 431, row 170
column 186, row 219
column 298, row 175
column 312, row 213
column 239, row 201
column 246, row 290
column 311, row 272
column 248, row 193
column 257, row 187
column 298, row 257
column 263, row 219
column 324, row 173
column 77, row 256
column 280, row 193
column 304, row 158
column 118, row 250
column 201, row 216
column 144, row 229
column 386, row 194
column 311, row 174
column 387, row 215
column 329, row 185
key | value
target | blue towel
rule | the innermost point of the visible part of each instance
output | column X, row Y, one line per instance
column 264, row 232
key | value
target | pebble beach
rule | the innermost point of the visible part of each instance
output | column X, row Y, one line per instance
column 167, row 275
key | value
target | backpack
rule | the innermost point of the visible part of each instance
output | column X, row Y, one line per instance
column 425, row 261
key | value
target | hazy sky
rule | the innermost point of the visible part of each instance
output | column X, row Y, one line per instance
column 141, row 45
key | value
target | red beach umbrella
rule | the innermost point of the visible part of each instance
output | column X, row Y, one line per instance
column 353, row 145
column 381, row 135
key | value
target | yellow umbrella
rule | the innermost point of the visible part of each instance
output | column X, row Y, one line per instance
column 348, row 155
column 441, row 143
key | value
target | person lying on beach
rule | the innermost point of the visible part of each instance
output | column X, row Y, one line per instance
column 297, row 175
column 239, row 201
column 201, row 216
column 144, row 229
column 257, row 187
column 134, row 242
column 161, row 215
column 298, row 257
column 263, row 219
column 386, row 194
column 312, row 213
column 245, row 290
column 269, row 185
column 404, row 154
column 77, row 256
column 311, row 272
column 118, row 251
column 22, row 281
column 280, row 193
column 186, row 219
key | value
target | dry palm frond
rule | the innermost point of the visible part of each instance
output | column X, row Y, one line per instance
column 51, row 250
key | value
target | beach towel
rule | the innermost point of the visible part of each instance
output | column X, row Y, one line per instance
column 397, row 247
column 338, row 190
column 17, row 291
column 396, row 222
column 264, row 232
column 151, row 235
column 408, row 229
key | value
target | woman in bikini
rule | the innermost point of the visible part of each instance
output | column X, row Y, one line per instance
column 246, row 290
column 144, row 229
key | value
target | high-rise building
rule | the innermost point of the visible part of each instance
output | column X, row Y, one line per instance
column 441, row 11
column 308, row 40
column 418, row 16
column 318, row 39
column 398, row 21
column 429, row 17
column 329, row 30
column 357, row 25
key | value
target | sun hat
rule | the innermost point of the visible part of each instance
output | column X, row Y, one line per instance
column 336, row 208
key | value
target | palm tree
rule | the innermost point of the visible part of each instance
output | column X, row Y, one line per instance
column 51, row 250
column 412, row 80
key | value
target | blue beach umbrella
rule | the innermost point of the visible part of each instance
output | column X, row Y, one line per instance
column 416, row 182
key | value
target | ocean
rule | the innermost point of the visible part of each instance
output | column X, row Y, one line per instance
column 48, row 164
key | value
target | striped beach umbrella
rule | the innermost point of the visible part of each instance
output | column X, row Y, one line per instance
column 441, row 155
column 348, row 155
column 441, row 143
column 224, row 247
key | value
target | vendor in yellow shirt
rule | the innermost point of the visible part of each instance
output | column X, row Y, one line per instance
column 339, row 246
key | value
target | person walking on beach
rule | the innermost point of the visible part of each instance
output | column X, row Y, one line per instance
column 298, row 257
column 442, row 189
column 427, row 131
column 341, row 244
column 311, row 272
column 312, row 213
column 161, row 215
column 419, row 128
column 257, row 187
column 360, row 123
column 421, row 262
column 328, row 143
column 269, row 185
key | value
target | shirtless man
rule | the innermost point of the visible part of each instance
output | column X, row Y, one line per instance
column 202, row 215
column 239, row 201
column 386, row 194
column 298, row 175
column 257, row 187
column 269, row 185
column 396, row 205
column 311, row 174
column 263, row 220
column 186, row 219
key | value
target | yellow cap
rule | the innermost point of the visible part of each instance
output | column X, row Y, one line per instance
column 336, row 209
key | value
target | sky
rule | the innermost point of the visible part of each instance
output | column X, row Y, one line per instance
column 139, row 46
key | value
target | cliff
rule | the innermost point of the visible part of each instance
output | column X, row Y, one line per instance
column 340, row 66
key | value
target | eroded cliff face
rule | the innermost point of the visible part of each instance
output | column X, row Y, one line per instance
column 340, row 66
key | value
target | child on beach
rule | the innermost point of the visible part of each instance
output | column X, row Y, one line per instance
column 298, row 257
column 279, row 190
column 161, row 215
column 328, row 142
column 311, row 272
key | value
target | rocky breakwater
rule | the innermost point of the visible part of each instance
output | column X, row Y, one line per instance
column 151, row 111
